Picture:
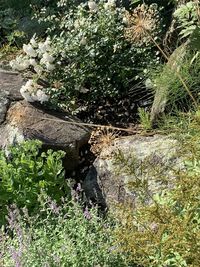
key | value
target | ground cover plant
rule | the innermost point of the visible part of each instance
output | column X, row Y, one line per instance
column 65, row 235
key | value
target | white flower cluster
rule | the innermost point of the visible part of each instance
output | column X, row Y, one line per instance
column 110, row 4
column 38, row 58
column 38, row 55
column 31, row 92
column 93, row 7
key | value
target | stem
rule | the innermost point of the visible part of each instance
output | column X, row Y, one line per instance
column 91, row 125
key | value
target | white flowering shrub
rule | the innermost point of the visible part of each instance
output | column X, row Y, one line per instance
column 38, row 58
column 86, row 55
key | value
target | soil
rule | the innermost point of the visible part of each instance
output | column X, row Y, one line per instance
column 120, row 112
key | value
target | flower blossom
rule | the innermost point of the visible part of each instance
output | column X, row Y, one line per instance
column 48, row 58
column 44, row 47
column 42, row 97
column 32, row 62
column 50, row 66
column 38, row 69
column 20, row 63
column 92, row 6
column 26, row 91
column 110, row 4
column 79, row 22
column 33, row 42
column 28, row 49
column 31, row 93
column 83, row 41
column 125, row 20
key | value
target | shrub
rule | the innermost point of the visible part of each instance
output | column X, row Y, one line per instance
column 93, row 59
column 59, row 236
column 26, row 172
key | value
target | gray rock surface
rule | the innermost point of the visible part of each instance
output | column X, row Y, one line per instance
column 20, row 120
column 25, row 121
column 10, row 84
column 130, row 165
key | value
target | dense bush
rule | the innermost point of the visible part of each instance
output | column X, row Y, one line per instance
column 93, row 58
column 59, row 236
column 26, row 172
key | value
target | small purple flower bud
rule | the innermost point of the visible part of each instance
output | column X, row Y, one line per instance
column 87, row 214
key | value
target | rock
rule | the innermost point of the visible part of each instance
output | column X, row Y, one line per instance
column 10, row 84
column 26, row 121
column 20, row 120
column 4, row 103
column 130, row 165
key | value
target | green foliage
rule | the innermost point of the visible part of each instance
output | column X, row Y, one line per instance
column 59, row 236
column 16, row 25
column 166, row 232
column 187, row 17
column 26, row 172
column 19, row 6
column 145, row 119
column 166, row 79
column 93, row 59
column 7, row 24
column 195, row 39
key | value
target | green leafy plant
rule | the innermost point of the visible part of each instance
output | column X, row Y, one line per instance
column 166, row 81
column 26, row 172
column 187, row 16
column 145, row 119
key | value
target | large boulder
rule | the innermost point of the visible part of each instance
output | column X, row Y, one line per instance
column 131, row 165
column 56, row 130
column 20, row 120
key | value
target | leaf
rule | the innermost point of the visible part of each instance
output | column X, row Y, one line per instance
column 188, row 31
column 135, row 1
column 195, row 39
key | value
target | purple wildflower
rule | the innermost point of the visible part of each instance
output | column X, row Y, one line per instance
column 78, row 188
column 13, row 216
column 87, row 214
column 54, row 207
column 16, row 256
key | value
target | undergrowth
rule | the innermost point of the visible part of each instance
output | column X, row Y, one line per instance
column 167, row 80
column 65, row 235
column 166, row 231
